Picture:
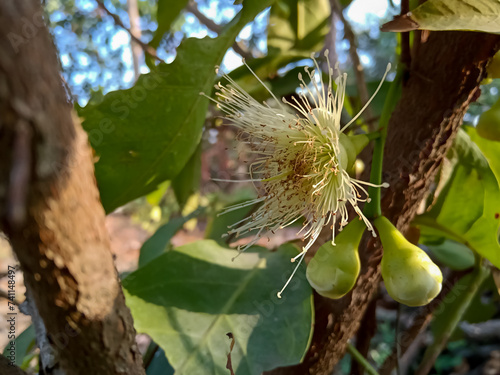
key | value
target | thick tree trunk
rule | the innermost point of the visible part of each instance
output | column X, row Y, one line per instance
column 50, row 207
column 443, row 80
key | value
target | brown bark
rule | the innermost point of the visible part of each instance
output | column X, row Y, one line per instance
column 443, row 80
column 50, row 207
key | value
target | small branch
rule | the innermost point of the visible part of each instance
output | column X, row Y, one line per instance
column 330, row 40
column 135, row 29
column 358, row 68
column 361, row 360
column 211, row 25
column 147, row 48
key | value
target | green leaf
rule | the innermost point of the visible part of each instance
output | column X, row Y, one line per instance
column 24, row 343
column 168, row 11
column 477, row 15
column 453, row 254
column 490, row 149
column 467, row 210
column 188, row 299
column 188, row 180
column 299, row 25
column 145, row 135
column 159, row 242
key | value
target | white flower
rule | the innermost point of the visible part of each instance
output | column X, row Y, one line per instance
column 302, row 156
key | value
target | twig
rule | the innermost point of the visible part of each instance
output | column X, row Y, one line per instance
column 330, row 41
column 147, row 48
column 211, row 25
column 358, row 68
column 361, row 360
column 135, row 29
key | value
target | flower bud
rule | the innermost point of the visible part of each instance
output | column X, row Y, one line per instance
column 334, row 269
column 410, row 276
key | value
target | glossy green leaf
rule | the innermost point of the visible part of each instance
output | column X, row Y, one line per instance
column 467, row 210
column 188, row 299
column 477, row 15
column 168, row 11
column 145, row 135
column 187, row 181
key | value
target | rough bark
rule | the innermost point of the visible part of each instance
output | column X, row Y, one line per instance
column 443, row 80
column 50, row 207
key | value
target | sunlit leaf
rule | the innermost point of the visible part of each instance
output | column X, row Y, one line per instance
column 477, row 15
column 188, row 299
column 467, row 210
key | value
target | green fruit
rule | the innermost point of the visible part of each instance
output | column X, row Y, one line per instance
column 334, row 269
column 488, row 126
column 410, row 276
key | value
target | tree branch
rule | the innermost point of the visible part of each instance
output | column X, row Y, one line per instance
column 55, row 223
column 135, row 29
column 146, row 48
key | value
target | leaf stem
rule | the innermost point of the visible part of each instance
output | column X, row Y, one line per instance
column 361, row 360
column 477, row 277
column 373, row 208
